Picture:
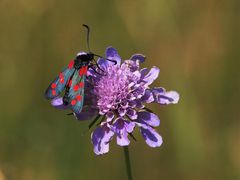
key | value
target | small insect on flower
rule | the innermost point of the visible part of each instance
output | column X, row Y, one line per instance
column 71, row 80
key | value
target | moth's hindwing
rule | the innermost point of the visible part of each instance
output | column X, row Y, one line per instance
column 59, row 83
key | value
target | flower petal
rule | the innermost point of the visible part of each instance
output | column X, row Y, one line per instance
column 118, row 125
column 103, row 63
column 151, row 76
column 148, row 96
column 152, row 138
column 129, row 126
column 173, row 95
column 132, row 104
column 58, row 103
column 131, row 97
column 112, row 54
column 100, row 139
column 85, row 115
column 132, row 65
column 139, row 92
column 139, row 57
column 122, row 127
column 109, row 116
column 131, row 113
column 121, row 111
column 139, row 104
column 124, row 104
column 143, row 72
column 163, row 97
column 148, row 118
column 122, row 140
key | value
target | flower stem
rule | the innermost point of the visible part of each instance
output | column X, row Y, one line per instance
column 127, row 161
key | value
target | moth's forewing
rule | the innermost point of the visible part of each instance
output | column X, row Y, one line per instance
column 76, row 91
column 59, row 83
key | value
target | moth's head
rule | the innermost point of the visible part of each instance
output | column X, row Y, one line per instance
column 83, row 56
column 80, row 54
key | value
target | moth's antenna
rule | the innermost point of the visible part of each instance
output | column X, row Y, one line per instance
column 88, row 32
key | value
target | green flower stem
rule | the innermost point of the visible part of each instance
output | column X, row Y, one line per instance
column 127, row 161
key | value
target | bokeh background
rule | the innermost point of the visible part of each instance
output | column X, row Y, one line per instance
column 195, row 44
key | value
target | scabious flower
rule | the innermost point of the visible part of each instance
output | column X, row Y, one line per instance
column 120, row 95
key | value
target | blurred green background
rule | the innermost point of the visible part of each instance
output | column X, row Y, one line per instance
column 195, row 44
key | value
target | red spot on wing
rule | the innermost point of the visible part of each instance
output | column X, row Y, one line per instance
column 81, row 84
column 76, row 87
column 61, row 77
column 62, row 80
column 78, row 97
column 54, row 92
column 69, row 83
column 73, row 102
column 71, row 64
column 83, row 70
column 54, row 85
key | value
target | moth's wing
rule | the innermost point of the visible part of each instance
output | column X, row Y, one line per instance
column 76, row 91
column 59, row 83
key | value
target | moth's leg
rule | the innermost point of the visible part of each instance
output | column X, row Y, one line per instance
column 111, row 60
column 96, row 71
column 96, row 64
column 92, row 67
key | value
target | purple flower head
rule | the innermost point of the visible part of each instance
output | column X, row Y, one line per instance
column 120, row 96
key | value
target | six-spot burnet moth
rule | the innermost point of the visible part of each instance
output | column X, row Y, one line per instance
column 71, row 79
